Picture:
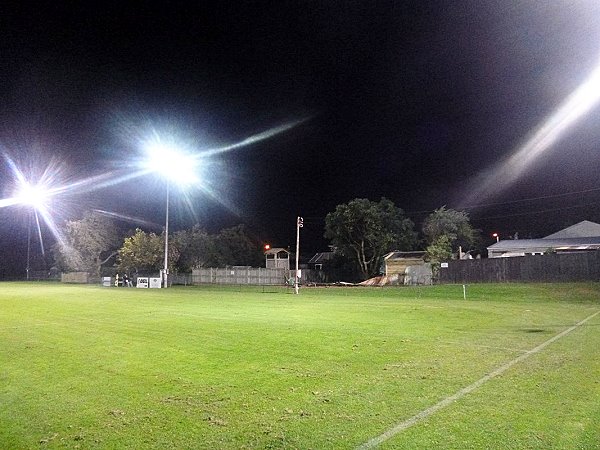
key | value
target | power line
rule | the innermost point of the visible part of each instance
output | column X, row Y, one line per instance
column 543, row 197
column 538, row 211
column 510, row 202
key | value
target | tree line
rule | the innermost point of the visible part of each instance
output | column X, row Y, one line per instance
column 95, row 242
column 361, row 232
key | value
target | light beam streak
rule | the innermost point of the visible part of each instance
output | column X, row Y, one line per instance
column 271, row 132
column 39, row 231
column 82, row 186
column 100, row 181
column 127, row 218
column 579, row 103
column 11, row 201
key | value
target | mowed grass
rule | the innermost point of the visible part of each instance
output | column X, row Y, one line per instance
column 199, row 367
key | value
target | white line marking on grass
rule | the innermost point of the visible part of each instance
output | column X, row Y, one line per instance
column 513, row 350
column 466, row 390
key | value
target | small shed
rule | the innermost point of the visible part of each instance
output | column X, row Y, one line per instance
column 277, row 258
column 395, row 263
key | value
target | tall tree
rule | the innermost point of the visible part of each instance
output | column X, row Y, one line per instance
column 453, row 224
column 145, row 252
column 88, row 243
column 197, row 249
column 236, row 247
column 364, row 231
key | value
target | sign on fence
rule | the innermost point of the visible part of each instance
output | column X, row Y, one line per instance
column 142, row 282
column 155, row 283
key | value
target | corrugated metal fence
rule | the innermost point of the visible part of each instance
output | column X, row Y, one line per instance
column 241, row 275
column 583, row 266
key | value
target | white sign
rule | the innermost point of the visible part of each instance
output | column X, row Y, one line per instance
column 444, row 265
column 106, row 281
column 155, row 283
column 142, row 282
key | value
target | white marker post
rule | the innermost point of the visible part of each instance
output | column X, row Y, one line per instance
column 299, row 224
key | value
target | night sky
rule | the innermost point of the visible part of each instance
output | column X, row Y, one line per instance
column 414, row 101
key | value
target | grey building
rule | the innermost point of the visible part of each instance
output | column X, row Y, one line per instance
column 581, row 237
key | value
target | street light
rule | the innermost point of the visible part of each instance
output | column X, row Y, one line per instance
column 175, row 166
column 497, row 236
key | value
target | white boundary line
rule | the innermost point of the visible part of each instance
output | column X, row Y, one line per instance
column 512, row 350
column 374, row 442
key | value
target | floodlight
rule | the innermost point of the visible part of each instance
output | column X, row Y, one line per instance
column 33, row 195
column 175, row 165
column 171, row 163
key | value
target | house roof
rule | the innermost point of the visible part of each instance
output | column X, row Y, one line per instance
column 404, row 255
column 582, row 229
column 529, row 245
column 584, row 235
column 276, row 250
column 320, row 257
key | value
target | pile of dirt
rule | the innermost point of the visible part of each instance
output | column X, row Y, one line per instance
column 382, row 280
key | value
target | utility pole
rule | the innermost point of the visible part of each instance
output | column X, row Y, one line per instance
column 299, row 224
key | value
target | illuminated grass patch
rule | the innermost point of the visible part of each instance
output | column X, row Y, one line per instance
column 331, row 368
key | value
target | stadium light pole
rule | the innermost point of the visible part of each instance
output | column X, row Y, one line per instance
column 29, row 213
column 173, row 165
column 33, row 196
column 166, row 264
column 299, row 224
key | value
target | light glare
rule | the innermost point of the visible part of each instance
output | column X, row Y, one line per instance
column 171, row 163
column 579, row 103
column 35, row 196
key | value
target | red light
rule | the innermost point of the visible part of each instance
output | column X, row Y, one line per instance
column 267, row 246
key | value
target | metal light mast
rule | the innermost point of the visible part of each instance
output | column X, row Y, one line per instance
column 299, row 224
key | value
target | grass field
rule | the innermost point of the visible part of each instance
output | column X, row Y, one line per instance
column 197, row 367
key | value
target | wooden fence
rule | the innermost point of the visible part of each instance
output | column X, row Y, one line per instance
column 75, row 277
column 584, row 266
column 241, row 275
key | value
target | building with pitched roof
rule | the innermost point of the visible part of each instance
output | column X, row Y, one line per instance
column 581, row 237
column 277, row 258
